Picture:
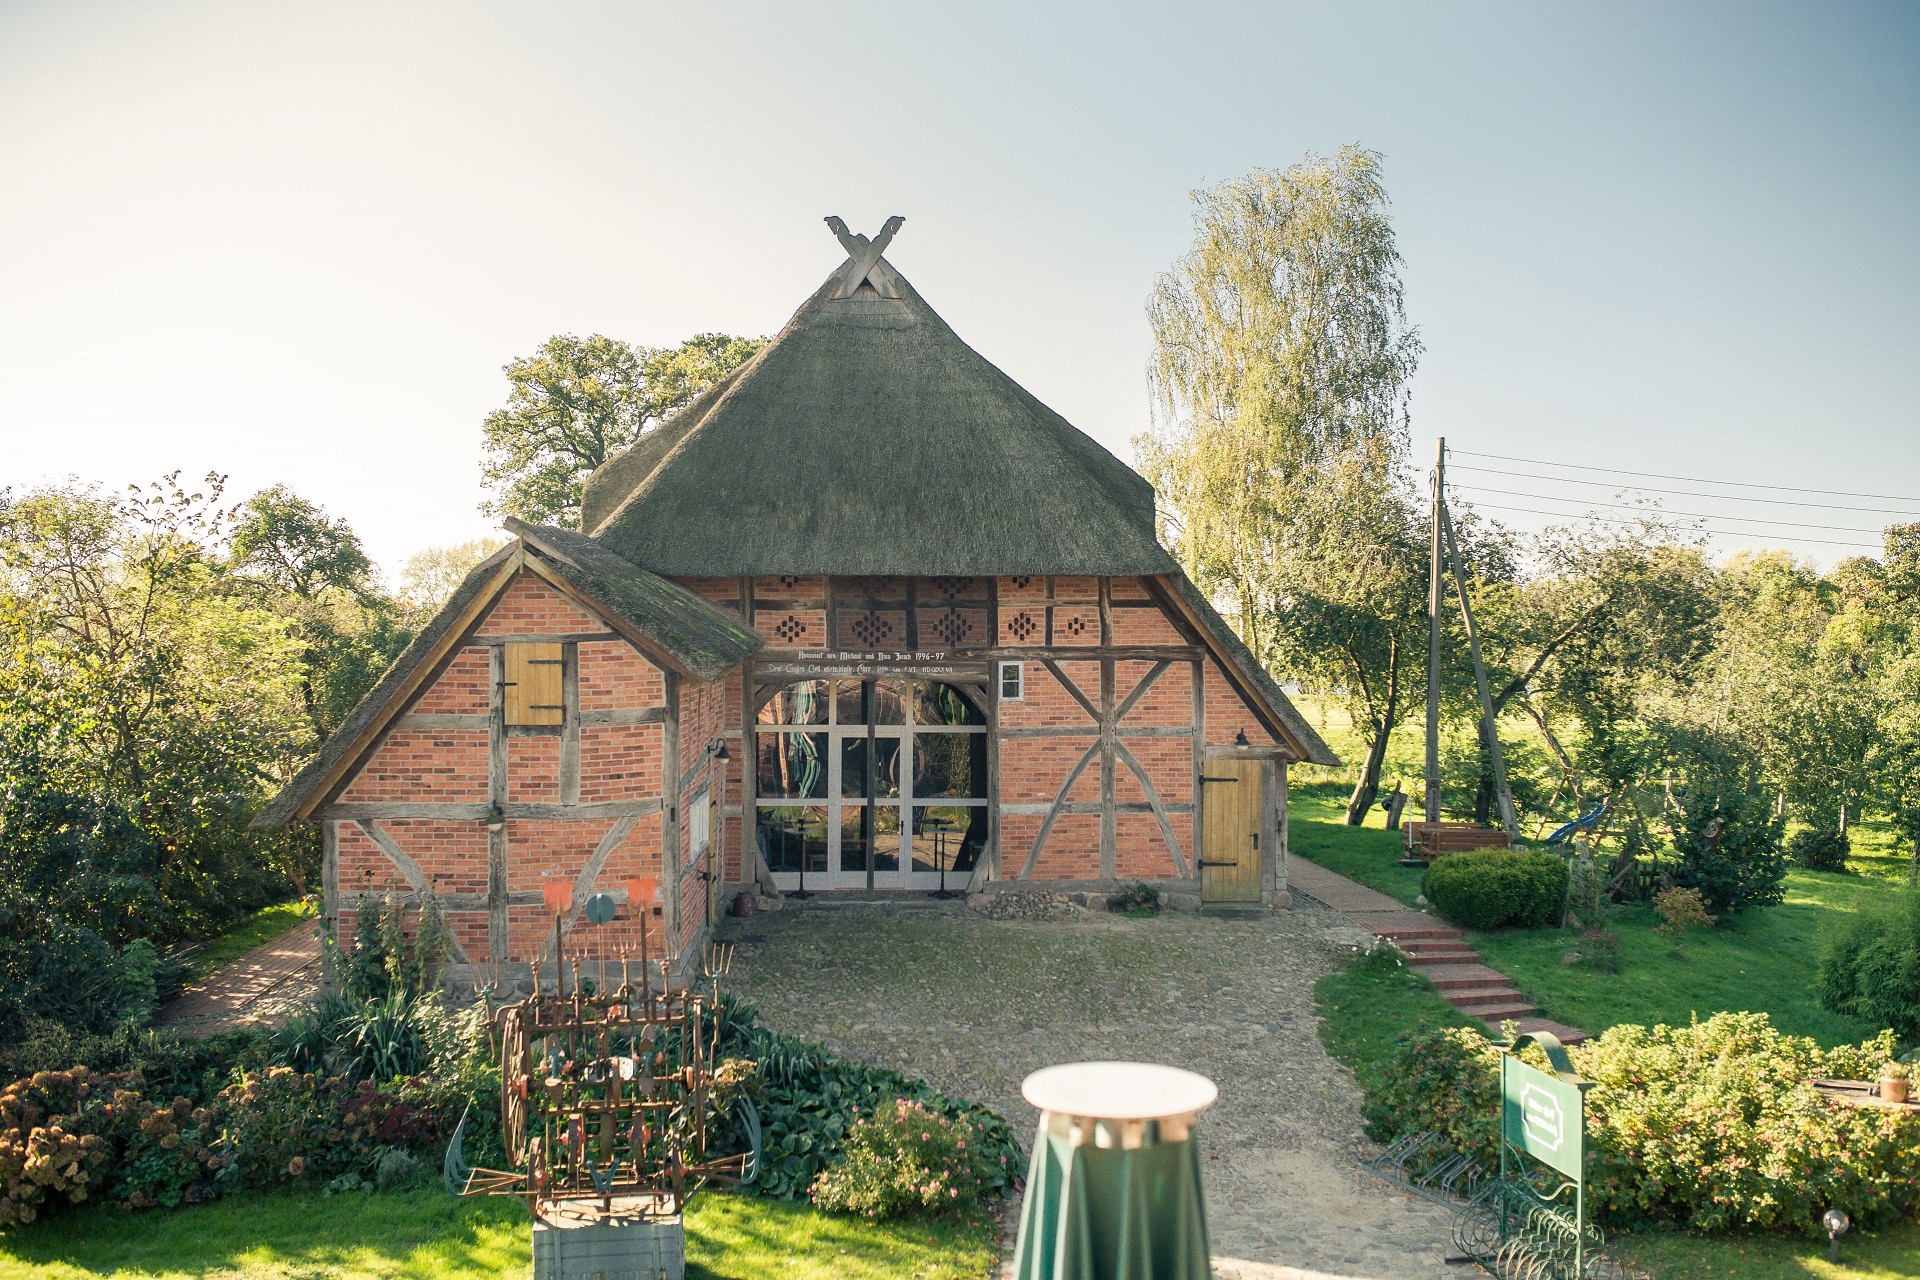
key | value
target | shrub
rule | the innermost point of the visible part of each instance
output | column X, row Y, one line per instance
column 1871, row 967
column 907, row 1158
column 1680, row 910
column 1138, row 898
column 1586, row 892
column 1727, row 838
column 48, row 1156
column 169, row 1063
column 1596, row 949
column 1712, row 1126
column 168, row 1154
column 1489, row 888
column 1819, row 849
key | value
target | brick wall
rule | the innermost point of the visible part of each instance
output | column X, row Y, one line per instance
column 444, row 766
column 617, row 763
column 531, row 607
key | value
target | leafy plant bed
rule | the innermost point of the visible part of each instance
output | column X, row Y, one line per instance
column 1372, row 1007
column 422, row 1233
column 809, row 1100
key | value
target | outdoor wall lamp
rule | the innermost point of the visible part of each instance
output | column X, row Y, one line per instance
column 496, row 818
column 1837, row 1223
column 718, row 750
column 1240, row 739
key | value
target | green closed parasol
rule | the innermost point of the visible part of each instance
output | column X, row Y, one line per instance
column 1113, row 1192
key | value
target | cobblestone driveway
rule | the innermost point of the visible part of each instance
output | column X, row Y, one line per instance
column 974, row 1005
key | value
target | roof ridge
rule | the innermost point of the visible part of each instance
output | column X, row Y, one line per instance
column 868, row 436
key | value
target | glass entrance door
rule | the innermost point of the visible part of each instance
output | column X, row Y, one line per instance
column 871, row 783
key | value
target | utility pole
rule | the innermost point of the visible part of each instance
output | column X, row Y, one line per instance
column 1435, row 593
column 1489, row 731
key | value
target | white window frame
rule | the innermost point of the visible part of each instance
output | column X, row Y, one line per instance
column 699, row 825
column 1019, row 672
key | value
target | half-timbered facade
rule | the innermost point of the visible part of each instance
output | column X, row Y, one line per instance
column 866, row 616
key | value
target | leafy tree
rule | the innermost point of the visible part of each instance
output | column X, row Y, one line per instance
column 430, row 577
column 1724, row 826
column 1882, row 619
column 1356, row 622
column 311, row 569
column 576, row 402
column 146, row 704
column 282, row 539
column 1280, row 369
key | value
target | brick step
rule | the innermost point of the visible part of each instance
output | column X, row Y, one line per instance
column 1463, row 977
column 1498, row 1011
column 1565, row 1033
column 1488, row 997
column 1420, row 933
column 1440, row 951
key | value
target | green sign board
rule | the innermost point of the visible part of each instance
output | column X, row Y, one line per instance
column 1543, row 1116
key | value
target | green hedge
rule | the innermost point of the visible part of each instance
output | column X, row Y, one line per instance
column 1712, row 1126
column 1491, row 888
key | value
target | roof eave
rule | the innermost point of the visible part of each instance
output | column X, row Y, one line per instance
column 1256, row 686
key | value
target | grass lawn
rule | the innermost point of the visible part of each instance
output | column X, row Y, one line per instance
column 1364, row 1006
column 426, row 1234
column 1763, row 960
column 1890, row 1254
column 262, row 927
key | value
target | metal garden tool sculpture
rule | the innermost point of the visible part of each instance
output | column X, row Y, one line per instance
column 607, row 1092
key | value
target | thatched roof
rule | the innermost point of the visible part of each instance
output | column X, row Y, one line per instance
column 701, row 640
column 670, row 621
column 867, row 438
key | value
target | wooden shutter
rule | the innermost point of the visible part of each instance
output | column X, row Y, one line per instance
column 534, row 692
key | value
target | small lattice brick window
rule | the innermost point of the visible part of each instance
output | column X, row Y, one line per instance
column 1013, row 681
column 534, row 684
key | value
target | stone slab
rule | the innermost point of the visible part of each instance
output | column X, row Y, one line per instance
column 574, row 1243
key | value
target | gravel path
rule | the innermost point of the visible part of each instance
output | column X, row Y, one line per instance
column 974, row 1005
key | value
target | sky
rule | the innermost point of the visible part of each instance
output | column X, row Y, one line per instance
column 296, row 243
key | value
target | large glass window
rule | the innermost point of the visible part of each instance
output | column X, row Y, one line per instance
column 899, row 771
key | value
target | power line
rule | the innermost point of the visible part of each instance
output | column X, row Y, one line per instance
column 1562, row 515
column 1704, row 515
column 1688, row 493
column 1655, row 475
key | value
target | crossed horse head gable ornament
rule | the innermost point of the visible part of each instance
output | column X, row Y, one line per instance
column 864, row 263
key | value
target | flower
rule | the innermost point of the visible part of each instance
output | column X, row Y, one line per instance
column 296, row 1166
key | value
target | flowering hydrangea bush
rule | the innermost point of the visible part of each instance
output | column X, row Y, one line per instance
column 907, row 1158
column 48, row 1154
column 1712, row 1126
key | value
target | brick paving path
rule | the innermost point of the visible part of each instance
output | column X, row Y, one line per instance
column 259, row 989
column 1440, row 951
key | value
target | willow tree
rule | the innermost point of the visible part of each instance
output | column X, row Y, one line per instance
column 1281, row 361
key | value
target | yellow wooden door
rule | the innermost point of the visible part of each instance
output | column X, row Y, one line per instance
column 1230, row 817
column 535, row 683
